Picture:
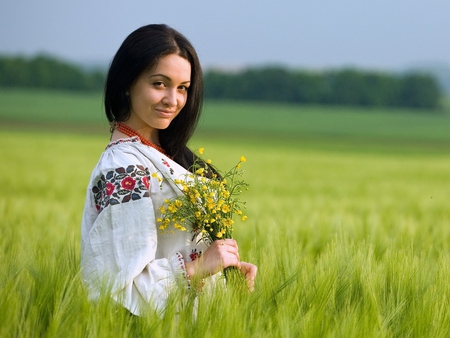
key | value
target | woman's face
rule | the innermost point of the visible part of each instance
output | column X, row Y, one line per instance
column 158, row 95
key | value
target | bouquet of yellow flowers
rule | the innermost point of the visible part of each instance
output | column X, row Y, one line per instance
column 207, row 203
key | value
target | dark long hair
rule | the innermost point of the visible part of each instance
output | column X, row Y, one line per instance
column 140, row 51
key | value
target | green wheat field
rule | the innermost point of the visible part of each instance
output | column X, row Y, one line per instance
column 348, row 221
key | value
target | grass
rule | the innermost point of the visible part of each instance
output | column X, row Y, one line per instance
column 83, row 113
column 295, row 120
column 350, row 235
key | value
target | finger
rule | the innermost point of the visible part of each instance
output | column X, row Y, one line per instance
column 228, row 248
column 250, row 275
column 230, row 242
column 249, row 270
column 253, row 271
column 232, row 258
column 225, row 242
column 251, row 285
column 228, row 256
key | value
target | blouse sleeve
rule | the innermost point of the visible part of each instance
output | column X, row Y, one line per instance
column 119, row 236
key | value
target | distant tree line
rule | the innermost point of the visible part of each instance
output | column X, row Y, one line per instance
column 43, row 71
column 339, row 87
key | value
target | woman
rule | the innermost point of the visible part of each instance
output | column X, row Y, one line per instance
column 153, row 99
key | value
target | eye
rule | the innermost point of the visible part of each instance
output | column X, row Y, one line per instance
column 183, row 88
column 158, row 84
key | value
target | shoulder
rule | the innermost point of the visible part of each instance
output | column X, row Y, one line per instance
column 129, row 154
column 122, row 174
column 121, row 161
column 123, row 153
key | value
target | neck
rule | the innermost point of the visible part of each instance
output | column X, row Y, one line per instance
column 124, row 129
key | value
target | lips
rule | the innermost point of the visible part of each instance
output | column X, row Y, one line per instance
column 165, row 113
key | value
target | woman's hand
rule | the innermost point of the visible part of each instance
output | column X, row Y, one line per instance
column 249, row 271
column 220, row 255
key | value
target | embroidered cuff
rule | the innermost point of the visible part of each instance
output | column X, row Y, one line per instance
column 179, row 267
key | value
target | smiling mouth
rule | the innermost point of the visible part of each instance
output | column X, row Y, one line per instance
column 165, row 112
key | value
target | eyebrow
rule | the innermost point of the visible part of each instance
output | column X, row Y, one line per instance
column 168, row 78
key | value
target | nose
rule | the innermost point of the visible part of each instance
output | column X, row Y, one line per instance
column 170, row 97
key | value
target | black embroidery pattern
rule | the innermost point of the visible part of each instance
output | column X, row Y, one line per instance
column 121, row 186
column 167, row 165
column 195, row 254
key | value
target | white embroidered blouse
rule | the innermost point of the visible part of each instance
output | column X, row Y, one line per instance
column 120, row 237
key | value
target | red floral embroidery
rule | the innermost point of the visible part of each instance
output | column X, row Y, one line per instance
column 195, row 254
column 128, row 183
column 146, row 182
column 109, row 188
column 167, row 165
column 121, row 185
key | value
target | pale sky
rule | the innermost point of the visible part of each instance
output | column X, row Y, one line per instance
column 376, row 34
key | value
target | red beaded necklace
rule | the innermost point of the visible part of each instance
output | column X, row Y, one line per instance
column 131, row 132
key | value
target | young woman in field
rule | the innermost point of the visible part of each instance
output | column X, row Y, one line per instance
column 153, row 99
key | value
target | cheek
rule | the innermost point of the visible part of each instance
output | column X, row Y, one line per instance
column 183, row 101
column 153, row 96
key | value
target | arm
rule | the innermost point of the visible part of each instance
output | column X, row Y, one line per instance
column 119, row 240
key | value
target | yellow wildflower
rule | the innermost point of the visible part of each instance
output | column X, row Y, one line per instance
column 244, row 218
column 207, row 205
column 226, row 222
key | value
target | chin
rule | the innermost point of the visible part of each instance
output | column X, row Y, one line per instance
column 162, row 126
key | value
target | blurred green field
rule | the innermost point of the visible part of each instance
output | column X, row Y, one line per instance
column 341, row 128
column 350, row 229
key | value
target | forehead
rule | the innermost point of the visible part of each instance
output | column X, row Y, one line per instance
column 172, row 65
